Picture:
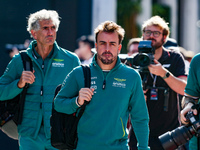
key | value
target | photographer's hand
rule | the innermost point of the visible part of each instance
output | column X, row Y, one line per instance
column 177, row 84
column 85, row 94
column 26, row 77
column 185, row 111
column 157, row 69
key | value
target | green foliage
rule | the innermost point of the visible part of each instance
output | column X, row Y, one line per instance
column 162, row 11
column 127, row 7
column 126, row 12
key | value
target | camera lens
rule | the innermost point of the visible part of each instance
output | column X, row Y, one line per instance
column 175, row 138
column 143, row 60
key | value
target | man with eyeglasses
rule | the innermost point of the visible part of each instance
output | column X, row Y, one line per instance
column 166, row 79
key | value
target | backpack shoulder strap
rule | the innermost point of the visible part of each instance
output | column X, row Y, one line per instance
column 27, row 63
column 57, row 90
column 87, row 79
column 87, row 75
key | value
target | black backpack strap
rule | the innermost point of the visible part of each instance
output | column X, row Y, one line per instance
column 27, row 64
column 55, row 93
column 57, row 90
column 87, row 75
column 87, row 79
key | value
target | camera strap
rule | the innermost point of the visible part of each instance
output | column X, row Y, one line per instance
column 154, row 93
column 154, row 90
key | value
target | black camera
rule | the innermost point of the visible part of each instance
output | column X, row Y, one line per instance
column 141, row 60
column 181, row 135
column 145, row 56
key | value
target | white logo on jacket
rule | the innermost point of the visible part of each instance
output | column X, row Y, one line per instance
column 58, row 64
column 119, row 83
column 93, row 83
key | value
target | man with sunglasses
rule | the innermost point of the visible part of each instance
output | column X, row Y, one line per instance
column 166, row 79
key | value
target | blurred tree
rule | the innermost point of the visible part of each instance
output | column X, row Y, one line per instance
column 162, row 11
column 127, row 11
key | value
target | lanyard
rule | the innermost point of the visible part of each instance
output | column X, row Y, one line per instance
column 154, row 79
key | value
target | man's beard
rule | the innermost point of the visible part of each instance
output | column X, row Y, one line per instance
column 157, row 44
column 105, row 59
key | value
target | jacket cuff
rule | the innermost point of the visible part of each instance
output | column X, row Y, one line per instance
column 16, row 87
column 77, row 102
column 74, row 103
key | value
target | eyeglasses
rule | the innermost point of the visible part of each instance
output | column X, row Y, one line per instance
column 155, row 33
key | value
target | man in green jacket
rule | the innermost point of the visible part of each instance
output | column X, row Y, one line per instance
column 51, row 64
column 116, row 91
column 192, row 93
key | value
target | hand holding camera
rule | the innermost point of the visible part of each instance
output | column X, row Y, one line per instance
column 157, row 69
column 181, row 135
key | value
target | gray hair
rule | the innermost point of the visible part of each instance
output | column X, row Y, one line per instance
column 33, row 20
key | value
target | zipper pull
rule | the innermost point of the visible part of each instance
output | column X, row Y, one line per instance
column 43, row 65
column 104, row 84
column 41, row 92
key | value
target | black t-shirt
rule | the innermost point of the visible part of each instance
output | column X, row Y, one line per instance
column 164, row 117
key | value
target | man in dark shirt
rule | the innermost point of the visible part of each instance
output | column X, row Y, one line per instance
column 165, row 80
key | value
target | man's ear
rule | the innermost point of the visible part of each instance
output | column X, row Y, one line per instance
column 164, row 38
column 33, row 33
column 119, row 48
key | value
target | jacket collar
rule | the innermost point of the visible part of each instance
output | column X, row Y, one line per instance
column 31, row 50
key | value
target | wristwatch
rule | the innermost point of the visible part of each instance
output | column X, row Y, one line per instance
column 166, row 75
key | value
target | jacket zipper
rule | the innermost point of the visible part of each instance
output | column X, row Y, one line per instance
column 104, row 84
column 41, row 94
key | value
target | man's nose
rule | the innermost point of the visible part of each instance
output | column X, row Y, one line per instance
column 151, row 35
column 50, row 31
column 107, row 47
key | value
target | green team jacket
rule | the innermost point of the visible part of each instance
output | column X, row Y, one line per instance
column 193, row 88
column 116, row 95
column 39, row 97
